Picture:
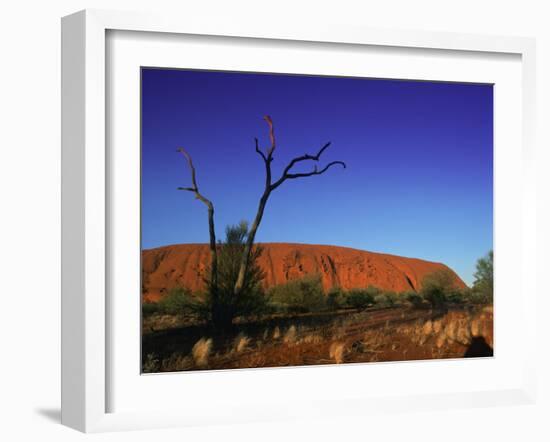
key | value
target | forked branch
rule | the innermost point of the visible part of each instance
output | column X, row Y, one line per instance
column 210, row 206
column 269, row 187
column 289, row 176
column 195, row 188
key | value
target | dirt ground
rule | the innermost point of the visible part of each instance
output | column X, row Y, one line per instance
column 398, row 334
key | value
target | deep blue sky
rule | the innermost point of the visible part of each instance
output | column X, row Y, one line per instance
column 419, row 180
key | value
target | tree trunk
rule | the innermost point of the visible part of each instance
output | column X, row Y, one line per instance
column 250, row 242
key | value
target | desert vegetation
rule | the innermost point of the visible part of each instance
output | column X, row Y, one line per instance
column 300, row 323
column 307, row 296
column 367, row 336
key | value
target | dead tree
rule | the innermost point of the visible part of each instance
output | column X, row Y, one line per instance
column 270, row 186
column 219, row 313
column 213, row 282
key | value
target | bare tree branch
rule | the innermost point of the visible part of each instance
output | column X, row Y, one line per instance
column 306, row 157
column 290, row 176
column 269, row 121
column 259, row 151
column 195, row 188
column 269, row 187
column 211, row 230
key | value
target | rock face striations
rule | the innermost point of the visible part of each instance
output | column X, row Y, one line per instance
column 185, row 265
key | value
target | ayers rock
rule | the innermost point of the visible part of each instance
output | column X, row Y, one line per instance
column 184, row 265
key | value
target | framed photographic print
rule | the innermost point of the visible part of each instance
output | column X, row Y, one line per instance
column 253, row 210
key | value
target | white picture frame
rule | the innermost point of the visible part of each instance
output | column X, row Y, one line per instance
column 85, row 211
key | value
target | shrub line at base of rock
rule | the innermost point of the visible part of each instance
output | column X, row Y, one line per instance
column 307, row 296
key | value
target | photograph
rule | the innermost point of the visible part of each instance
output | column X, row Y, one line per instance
column 303, row 220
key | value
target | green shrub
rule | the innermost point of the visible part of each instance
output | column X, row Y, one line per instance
column 252, row 303
column 299, row 295
column 362, row 298
column 388, row 299
column 382, row 300
column 177, row 301
column 372, row 290
column 391, row 298
column 476, row 296
column 483, row 283
column 414, row 298
column 437, row 286
column 395, row 299
column 221, row 303
column 458, row 296
column 336, row 298
column 149, row 308
column 435, row 296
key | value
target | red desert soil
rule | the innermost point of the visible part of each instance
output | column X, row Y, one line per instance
column 184, row 265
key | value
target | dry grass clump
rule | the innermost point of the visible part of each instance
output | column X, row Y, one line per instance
column 475, row 328
column 440, row 340
column 374, row 339
column 434, row 335
column 176, row 362
column 417, row 332
column 151, row 364
column 450, row 330
column 337, row 351
column 338, row 332
column 460, row 328
column 201, row 351
column 312, row 339
column 463, row 335
column 427, row 328
column 485, row 324
column 241, row 342
column 403, row 329
column 290, row 335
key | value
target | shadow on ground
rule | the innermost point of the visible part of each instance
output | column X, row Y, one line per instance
column 478, row 349
column 51, row 414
